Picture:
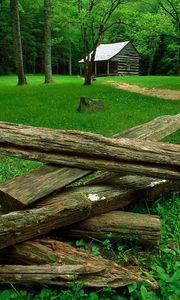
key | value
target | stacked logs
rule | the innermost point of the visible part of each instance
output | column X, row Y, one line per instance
column 132, row 165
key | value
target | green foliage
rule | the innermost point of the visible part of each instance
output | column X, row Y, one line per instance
column 95, row 250
column 80, row 243
column 153, row 30
column 154, row 33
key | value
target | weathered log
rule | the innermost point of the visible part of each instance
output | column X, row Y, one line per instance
column 73, row 205
column 154, row 130
column 56, row 263
column 123, row 226
column 90, row 151
column 24, row 190
column 90, row 105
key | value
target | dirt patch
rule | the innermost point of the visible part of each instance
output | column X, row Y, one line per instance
column 160, row 93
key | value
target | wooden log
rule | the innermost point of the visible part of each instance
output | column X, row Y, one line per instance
column 90, row 151
column 56, row 263
column 154, row 130
column 123, row 226
column 26, row 189
column 73, row 205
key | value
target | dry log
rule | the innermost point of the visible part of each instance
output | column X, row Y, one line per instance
column 90, row 151
column 24, row 190
column 17, row 193
column 56, row 263
column 74, row 205
column 123, row 226
column 154, row 130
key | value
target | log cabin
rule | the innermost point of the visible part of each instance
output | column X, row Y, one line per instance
column 116, row 59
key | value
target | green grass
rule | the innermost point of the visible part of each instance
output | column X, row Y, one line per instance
column 55, row 106
column 161, row 82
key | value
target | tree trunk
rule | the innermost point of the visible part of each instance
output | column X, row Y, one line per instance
column 76, row 204
column 178, row 68
column 17, row 42
column 152, row 55
column 47, row 41
column 87, row 79
column 24, row 190
column 69, row 265
column 70, row 60
column 90, row 151
column 34, row 64
column 88, row 76
column 123, row 226
column 89, row 68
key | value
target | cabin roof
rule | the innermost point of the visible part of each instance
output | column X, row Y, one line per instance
column 107, row 51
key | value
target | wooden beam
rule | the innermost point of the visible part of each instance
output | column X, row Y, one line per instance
column 26, row 189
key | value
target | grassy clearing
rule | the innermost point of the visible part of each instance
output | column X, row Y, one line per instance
column 160, row 82
column 55, row 106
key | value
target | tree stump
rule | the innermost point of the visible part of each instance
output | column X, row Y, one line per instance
column 90, row 105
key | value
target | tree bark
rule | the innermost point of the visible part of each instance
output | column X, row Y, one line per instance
column 18, row 53
column 90, row 151
column 56, row 263
column 76, row 204
column 26, row 189
column 47, row 42
column 123, row 226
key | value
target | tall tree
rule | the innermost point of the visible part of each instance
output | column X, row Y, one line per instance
column 96, row 19
column 47, row 42
column 14, row 8
column 172, row 8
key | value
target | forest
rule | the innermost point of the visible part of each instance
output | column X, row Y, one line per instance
column 76, row 27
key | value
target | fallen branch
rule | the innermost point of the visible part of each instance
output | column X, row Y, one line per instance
column 56, row 263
